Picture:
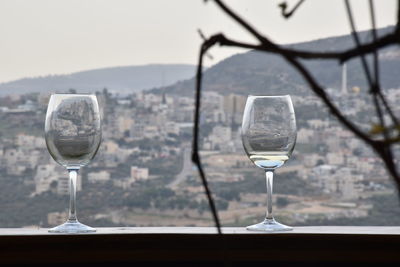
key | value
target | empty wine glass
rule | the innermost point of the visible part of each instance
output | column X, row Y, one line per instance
column 73, row 135
column 269, row 136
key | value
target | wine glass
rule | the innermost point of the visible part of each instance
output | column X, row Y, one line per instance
column 73, row 136
column 269, row 136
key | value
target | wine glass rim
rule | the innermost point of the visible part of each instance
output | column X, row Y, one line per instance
column 268, row 96
column 73, row 94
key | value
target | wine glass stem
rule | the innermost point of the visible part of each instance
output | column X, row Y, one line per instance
column 269, row 180
column 73, row 174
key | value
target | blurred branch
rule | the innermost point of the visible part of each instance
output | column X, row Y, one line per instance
column 286, row 14
column 341, row 56
column 358, row 43
column 195, row 149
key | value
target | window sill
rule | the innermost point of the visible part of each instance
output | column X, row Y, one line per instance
column 152, row 245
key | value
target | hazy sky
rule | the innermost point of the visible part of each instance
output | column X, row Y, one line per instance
column 41, row 37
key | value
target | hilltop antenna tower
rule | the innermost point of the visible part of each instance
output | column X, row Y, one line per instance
column 233, row 123
column 344, row 79
column 164, row 99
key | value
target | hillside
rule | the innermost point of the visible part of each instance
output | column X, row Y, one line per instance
column 260, row 73
column 118, row 79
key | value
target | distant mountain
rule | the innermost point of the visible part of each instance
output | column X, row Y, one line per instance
column 261, row 73
column 118, row 79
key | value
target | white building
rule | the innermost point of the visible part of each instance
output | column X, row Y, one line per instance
column 12, row 156
column 98, row 177
column 15, row 161
column 139, row 173
column 136, row 175
column 29, row 141
column 45, row 175
column 220, row 136
column 338, row 181
column 151, row 131
column 335, row 158
column 172, row 128
column 137, row 131
column 318, row 124
column 111, row 147
column 49, row 174
column 56, row 218
column 311, row 159
column 63, row 185
column 304, row 135
column 124, row 124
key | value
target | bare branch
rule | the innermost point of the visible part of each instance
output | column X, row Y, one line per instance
column 388, row 109
column 341, row 56
column 286, row 14
column 268, row 46
column 386, row 148
column 374, row 86
column 376, row 66
column 319, row 91
column 195, row 150
column 374, row 37
column 203, row 37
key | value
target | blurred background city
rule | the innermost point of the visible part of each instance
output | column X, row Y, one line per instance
column 142, row 174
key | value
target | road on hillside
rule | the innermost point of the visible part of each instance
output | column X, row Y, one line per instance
column 186, row 169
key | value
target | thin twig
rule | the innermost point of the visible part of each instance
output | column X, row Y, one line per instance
column 374, row 37
column 358, row 44
column 283, row 7
column 374, row 84
column 203, row 37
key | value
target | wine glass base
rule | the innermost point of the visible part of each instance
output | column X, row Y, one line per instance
column 72, row 227
column 269, row 225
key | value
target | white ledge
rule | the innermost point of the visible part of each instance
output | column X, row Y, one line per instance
column 323, row 230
